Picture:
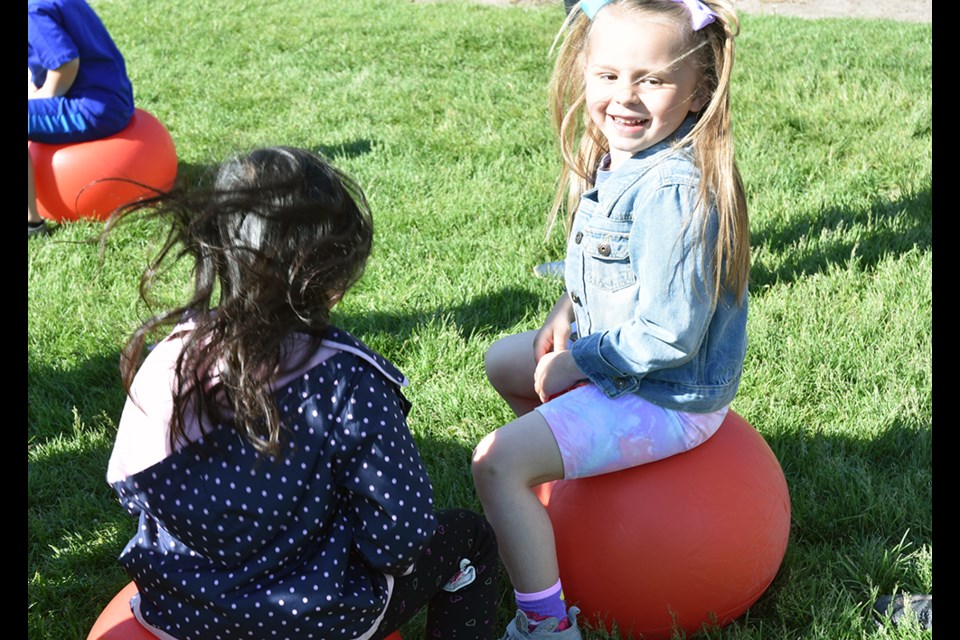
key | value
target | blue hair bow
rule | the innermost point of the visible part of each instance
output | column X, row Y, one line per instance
column 700, row 14
column 590, row 7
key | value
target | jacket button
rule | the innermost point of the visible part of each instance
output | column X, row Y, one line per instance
column 577, row 238
column 604, row 249
column 575, row 298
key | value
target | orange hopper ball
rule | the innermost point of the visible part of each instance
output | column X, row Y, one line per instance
column 66, row 175
column 118, row 623
column 690, row 540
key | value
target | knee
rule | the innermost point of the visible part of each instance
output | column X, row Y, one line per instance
column 492, row 362
column 500, row 362
column 484, row 464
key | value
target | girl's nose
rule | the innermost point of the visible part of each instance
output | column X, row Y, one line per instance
column 626, row 93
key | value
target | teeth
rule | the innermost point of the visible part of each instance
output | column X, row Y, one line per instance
column 630, row 122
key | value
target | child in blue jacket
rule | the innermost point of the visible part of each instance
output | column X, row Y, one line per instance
column 77, row 84
column 641, row 356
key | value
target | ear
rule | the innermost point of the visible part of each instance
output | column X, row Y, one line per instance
column 698, row 100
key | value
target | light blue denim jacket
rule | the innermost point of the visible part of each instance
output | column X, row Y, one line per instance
column 641, row 285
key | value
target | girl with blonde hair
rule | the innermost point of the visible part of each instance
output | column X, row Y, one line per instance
column 643, row 353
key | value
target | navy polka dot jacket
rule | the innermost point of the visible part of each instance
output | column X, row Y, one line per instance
column 235, row 544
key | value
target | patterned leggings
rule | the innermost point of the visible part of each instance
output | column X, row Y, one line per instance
column 469, row 613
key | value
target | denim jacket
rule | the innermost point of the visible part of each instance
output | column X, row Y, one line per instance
column 640, row 280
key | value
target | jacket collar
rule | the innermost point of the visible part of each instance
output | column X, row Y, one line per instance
column 651, row 155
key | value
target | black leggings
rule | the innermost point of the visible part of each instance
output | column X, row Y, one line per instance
column 466, row 614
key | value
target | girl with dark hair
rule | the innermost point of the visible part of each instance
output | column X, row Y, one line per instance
column 265, row 451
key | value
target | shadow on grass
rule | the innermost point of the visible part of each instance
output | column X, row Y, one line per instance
column 890, row 227
column 92, row 389
column 193, row 175
column 486, row 315
column 352, row 149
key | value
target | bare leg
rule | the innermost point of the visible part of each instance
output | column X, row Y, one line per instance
column 32, row 214
column 506, row 464
column 510, row 365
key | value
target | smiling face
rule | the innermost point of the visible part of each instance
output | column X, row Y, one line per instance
column 637, row 91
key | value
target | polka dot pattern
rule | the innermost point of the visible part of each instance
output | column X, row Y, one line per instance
column 232, row 544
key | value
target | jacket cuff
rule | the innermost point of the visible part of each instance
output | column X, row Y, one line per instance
column 613, row 382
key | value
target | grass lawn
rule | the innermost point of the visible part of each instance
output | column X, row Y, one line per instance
column 439, row 110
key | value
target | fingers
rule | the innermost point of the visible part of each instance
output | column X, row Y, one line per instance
column 550, row 339
column 541, row 378
column 556, row 373
column 542, row 345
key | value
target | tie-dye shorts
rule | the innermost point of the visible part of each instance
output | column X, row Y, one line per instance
column 598, row 434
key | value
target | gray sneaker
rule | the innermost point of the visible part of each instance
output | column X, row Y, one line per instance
column 897, row 608
column 36, row 230
column 518, row 629
column 550, row 270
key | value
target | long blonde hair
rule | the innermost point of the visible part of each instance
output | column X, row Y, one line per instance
column 582, row 144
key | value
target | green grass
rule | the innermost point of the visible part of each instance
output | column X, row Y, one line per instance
column 439, row 110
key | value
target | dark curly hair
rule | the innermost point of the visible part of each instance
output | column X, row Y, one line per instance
column 274, row 243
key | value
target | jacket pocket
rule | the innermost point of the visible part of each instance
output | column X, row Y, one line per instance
column 606, row 258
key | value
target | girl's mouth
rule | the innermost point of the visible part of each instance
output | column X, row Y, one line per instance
column 621, row 121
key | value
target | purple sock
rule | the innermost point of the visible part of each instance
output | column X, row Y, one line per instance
column 543, row 604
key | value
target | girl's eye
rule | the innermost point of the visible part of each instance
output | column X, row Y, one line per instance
column 609, row 77
column 650, row 82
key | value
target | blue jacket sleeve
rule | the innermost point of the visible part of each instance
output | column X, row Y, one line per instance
column 380, row 470
column 52, row 45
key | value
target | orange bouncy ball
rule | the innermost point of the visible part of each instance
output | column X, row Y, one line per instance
column 117, row 621
column 689, row 540
column 66, row 175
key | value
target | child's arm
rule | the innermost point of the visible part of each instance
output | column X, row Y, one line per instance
column 556, row 329
column 390, row 496
column 556, row 372
column 58, row 80
column 54, row 52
